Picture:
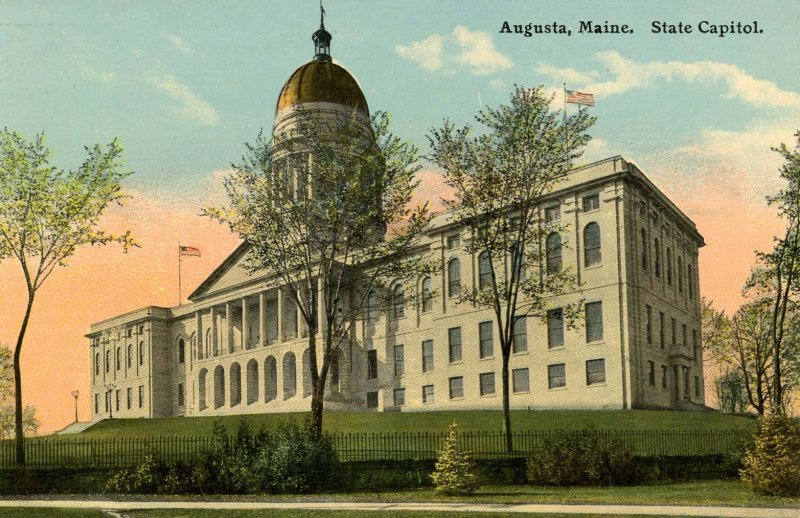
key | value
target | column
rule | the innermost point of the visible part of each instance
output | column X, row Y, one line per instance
column 280, row 314
column 199, row 344
column 245, row 325
column 214, row 340
column 262, row 318
column 229, row 325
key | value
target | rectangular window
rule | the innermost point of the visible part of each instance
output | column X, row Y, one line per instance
column 487, row 383
column 651, row 373
column 180, row 394
column 695, row 346
column 141, row 396
column 399, row 360
column 453, row 242
column 555, row 328
column 649, row 324
column 674, row 326
column 520, row 338
column 427, row 355
column 141, row 353
column 486, row 339
column 684, row 336
column 372, row 399
column 454, row 344
column 130, row 397
column 556, row 376
column 594, row 321
column 520, row 380
column 552, row 213
column 457, row 387
column 591, row 202
column 427, row 394
column 686, row 382
column 595, row 371
column 117, row 398
column 664, row 377
column 399, row 397
column 108, row 401
column 697, row 386
column 662, row 332
column 97, row 403
column 372, row 364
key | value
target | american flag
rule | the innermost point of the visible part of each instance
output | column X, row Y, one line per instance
column 585, row 99
column 190, row 251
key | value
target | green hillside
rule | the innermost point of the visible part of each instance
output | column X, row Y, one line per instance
column 350, row 422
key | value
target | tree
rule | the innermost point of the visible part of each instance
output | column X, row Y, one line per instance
column 29, row 419
column 731, row 391
column 45, row 215
column 456, row 472
column 501, row 178
column 314, row 204
column 782, row 273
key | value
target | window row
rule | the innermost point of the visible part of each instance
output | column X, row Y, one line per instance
column 487, row 385
column 116, row 404
column 644, row 253
column 673, row 326
column 118, row 358
column 684, row 371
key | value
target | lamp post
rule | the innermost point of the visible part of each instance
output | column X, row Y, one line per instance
column 75, row 394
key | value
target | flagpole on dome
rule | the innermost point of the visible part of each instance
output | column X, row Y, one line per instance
column 190, row 251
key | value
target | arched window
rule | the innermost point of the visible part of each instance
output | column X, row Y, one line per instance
column 553, row 245
column 427, row 295
column 644, row 246
column 669, row 266
column 108, row 361
column 236, row 384
column 484, row 270
column 118, row 358
column 454, row 278
column 201, row 388
column 657, row 258
column 399, row 301
column 289, row 375
column 517, row 260
column 680, row 274
column 690, row 279
column 591, row 245
column 130, row 355
column 97, row 363
column 270, row 379
column 219, row 386
column 252, row 382
column 372, row 306
column 141, row 353
column 181, row 350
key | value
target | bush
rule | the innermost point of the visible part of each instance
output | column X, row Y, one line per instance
column 455, row 473
column 772, row 463
column 298, row 461
column 581, row 458
column 146, row 477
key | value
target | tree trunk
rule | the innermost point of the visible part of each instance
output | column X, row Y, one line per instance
column 506, row 405
column 19, row 430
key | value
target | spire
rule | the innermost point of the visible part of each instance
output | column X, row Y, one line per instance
column 322, row 38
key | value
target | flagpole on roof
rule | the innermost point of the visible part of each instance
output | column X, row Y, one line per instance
column 179, row 273
column 565, row 124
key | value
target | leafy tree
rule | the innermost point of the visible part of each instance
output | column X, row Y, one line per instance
column 772, row 462
column 501, row 177
column 781, row 279
column 314, row 204
column 45, row 215
column 731, row 391
column 29, row 419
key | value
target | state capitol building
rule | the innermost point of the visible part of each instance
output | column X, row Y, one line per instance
column 240, row 347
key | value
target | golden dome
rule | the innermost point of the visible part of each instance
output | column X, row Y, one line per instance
column 321, row 80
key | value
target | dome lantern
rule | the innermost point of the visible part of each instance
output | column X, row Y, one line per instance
column 322, row 39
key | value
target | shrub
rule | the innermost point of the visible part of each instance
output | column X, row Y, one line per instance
column 145, row 477
column 455, row 473
column 298, row 461
column 772, row 463
column 578, row 458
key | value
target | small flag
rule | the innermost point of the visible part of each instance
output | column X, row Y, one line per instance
column 585, row 99
column 190, row 251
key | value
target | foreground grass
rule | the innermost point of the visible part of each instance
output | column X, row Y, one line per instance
column 19, row 512
column 355, row 422
column 22, row 512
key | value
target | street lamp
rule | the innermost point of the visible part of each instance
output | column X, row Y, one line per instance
column 75, row 395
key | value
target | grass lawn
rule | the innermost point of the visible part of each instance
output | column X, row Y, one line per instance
column 342, row 514
column 487, row 420
column 23, row 512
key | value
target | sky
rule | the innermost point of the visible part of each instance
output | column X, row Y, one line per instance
column 184, row 85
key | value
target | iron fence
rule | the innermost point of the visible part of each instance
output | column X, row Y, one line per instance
column 113, row 452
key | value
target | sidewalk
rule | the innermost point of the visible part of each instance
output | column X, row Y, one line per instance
column 669, row 510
